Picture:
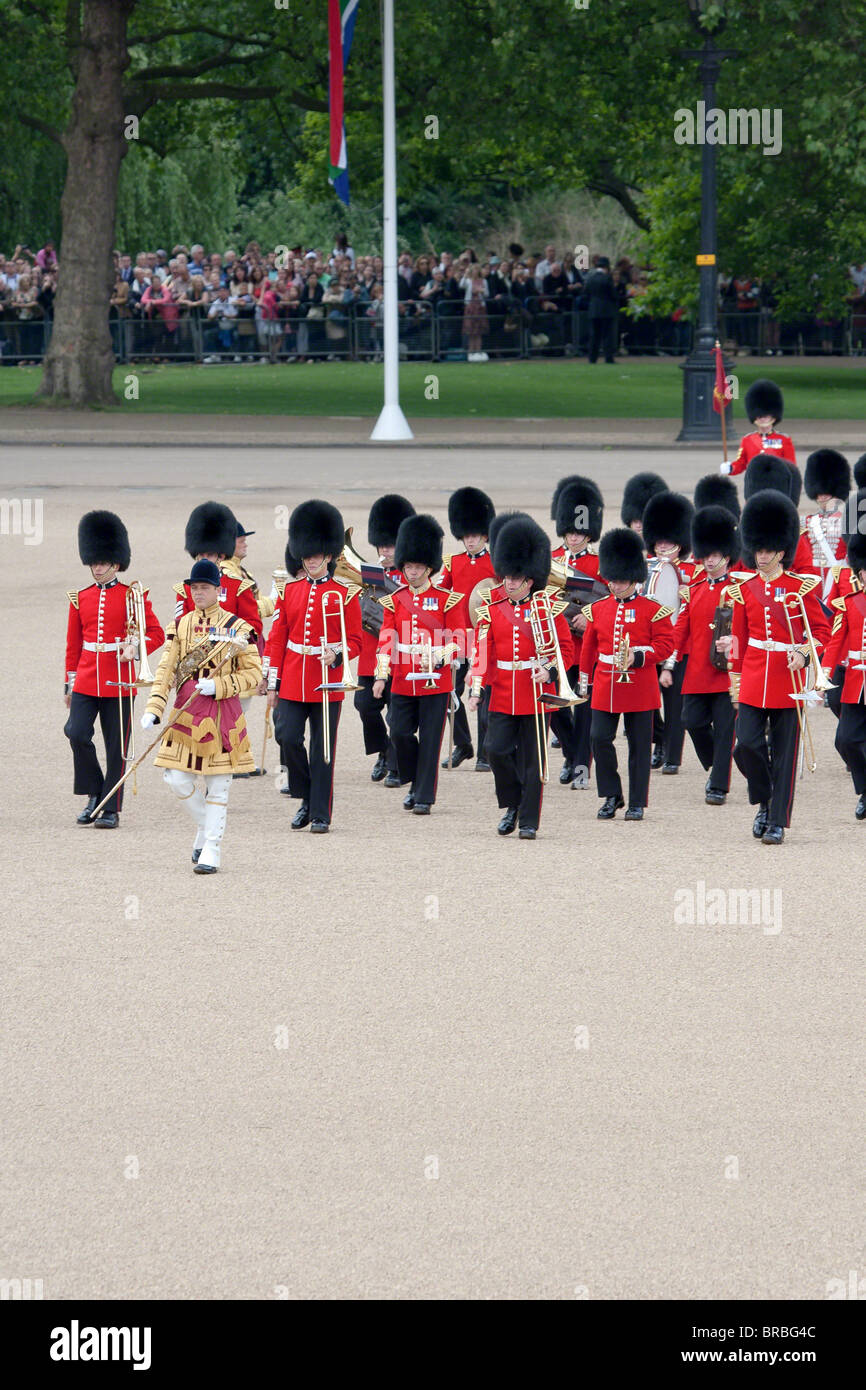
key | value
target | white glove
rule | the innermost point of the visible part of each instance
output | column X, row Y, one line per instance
column 205, row 686
column 724, row 467
column 274, row 594
column 148, row 720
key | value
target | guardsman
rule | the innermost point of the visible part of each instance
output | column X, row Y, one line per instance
column 424, row 629
column 707, row 711
column 667, row 521
column 765, row 471
column 636, row 493
column 770, row 652
column 827, row 481
column 386, row 514
column 316, row 633
column 626, row 637
column 101, row 650
column 212, row 534
column 846, row 652
column 578, row 515
column 506, row 652
column 765, row 407
column 470, row 512
column 212, row 658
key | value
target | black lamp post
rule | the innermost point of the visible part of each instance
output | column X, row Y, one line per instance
column 700, row 421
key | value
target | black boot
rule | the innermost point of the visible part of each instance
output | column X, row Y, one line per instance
column 658, row 757
column 634, row 813
column 860, row 809
column 761, row 821
column 409, row 801
column 609, row 807
column 714, row 797
column 107, row 820
column 508, row 822
column 301, row 816
column 379, row 769
column 567, row 774
column 773, row 835
column 84, row 818
column 460, row 755
column 393, row 780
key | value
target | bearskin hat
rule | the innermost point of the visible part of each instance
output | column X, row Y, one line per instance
column 827, row 471
column 523, row 548
column 292, row 563
column 714, row 530
column 668, row 517
column 621, row 558
column 715, row 491
column 103, row 539
column 857, row 553
column 316, row 528
column 211, row 530
column 419, row 541
column 770, row 522
column 579, row 507
column 386, row 514
column 860, row 471
column 470, row 512
column 769, row 471
column 764, row 398
column 497, row 524
column 563, row 482
column 637, row 492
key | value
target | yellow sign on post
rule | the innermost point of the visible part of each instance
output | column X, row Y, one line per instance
column 708, row 259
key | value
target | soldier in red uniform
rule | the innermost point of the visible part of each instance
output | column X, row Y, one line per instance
column 765, row 471
column 386, row 514
column 768, row 661
column 100, row 670
column 505, row 649
column 470, row 512
column 827, row 481
column 765, row 408
column 707, row 712
column 212, row 534
column 667, row 523
column 628, row 635
column 305, row 646
column 417, row 646
column 637, row 492
column 846, row 652
column 579, row 512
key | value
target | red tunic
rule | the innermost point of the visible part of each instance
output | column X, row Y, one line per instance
column 694, row 627
column 647, row 624
column 370, row 640
column 757, row 443
column 762, row 638
column 848, row 645
column 237, row 595
column 462, row 572
column 584, row 562
column 504, row 652
column 415, row 619
column 97, row 619
column 294, row 641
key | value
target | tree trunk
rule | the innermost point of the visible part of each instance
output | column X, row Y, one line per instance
column 79, row 361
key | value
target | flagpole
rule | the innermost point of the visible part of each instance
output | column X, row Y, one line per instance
column 392, row 423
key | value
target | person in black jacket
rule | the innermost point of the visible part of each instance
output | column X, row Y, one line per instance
column 601, row 302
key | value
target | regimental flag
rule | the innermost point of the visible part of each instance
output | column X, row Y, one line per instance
column 722, row 392
column 341, row 27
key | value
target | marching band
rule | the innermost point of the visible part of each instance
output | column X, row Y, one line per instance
column 736, row 625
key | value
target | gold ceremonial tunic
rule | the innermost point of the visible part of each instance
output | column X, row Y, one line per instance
column 195, row 741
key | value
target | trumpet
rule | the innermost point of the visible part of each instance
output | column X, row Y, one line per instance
column 327, row 686
column 548, row 651
column 620, row 661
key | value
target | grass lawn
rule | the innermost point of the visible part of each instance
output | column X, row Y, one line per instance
column 634, row 388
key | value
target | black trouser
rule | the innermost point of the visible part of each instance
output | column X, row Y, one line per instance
column 768, row 741
column 483, row 718
column 310, row 778
column 658, row 726
column 512, row 751
column 672, row 701
column 462, row 736
column 571, row 726
column 418, row 758
column 709, row 717
column 602, row 332
column 89, row 780
column 373, row 722
column 851, row 743
column 638, row 731
column 834, row 697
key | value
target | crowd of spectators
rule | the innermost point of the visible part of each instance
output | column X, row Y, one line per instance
column 300, row 304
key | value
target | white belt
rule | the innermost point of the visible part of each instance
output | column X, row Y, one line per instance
column 771, row 646
column 515, row 665
column 310, row 651
column 102, row 646
column 856, row 656
column 414, row 648
column 608, row 658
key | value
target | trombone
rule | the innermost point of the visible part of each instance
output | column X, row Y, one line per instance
column 327, row 685
column 548, row 651
column 136, row 628
column 804, row 694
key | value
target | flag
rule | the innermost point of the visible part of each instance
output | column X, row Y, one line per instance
column 721, row 389
column 341, row 27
